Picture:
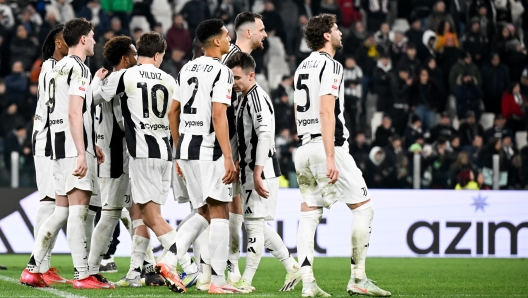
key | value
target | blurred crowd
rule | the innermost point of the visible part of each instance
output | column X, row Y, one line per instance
column 439, row 82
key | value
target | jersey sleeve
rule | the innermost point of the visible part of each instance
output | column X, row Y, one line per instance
column 223, row 86
column 176, row 95
column 79, row 80
column 261, row 112
column 110, row 85
column 331, row 77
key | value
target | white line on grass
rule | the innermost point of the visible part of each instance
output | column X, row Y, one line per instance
column 49, row 290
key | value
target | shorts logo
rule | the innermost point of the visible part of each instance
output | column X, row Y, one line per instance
column 230, row 189
column 248, row 211
column 127, row 198
column 364, row 189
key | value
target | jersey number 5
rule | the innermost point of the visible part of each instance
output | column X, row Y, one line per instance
column 301, row 86
column 153, row 92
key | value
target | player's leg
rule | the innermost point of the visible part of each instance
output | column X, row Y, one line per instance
column 255, row 233
column 204, row 259
column 46, row 208
column 235, row 226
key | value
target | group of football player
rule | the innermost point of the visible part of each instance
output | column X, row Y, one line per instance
column 116, row 142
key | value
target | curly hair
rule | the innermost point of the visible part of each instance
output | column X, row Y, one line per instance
column 116, row 48
column 316, row 28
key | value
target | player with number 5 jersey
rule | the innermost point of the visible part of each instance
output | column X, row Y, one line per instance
column 325, row 170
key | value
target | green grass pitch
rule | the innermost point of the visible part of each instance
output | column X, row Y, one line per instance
column 416, row 277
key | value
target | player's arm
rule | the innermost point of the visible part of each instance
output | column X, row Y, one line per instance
column 174, row 112
column 96, row 85
column 262, row 121
column 221, row 99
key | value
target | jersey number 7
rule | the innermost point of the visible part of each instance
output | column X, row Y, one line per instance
column 153, row 93
column 301, row 86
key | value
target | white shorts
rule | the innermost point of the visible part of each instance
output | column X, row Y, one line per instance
column 95, row 200
column 204, row 180
column 115, row 192
column 310, row 164
column 65, row 182
column 179, row 188
column 255, row 206
column 44, row 175
column 150, row 180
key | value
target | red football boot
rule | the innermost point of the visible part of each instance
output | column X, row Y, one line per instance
column 33, row 279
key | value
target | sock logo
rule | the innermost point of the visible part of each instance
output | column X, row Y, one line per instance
column 251, row 249
column 252, row 240
column 248, row 211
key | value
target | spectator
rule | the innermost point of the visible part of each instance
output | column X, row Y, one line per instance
column 382, row 75
column 429, row 42
column 516, row 58
column 16, row 140
column 462, row 163
column 7, row 19
column 410, row 60
column 16, row 84
column 398, row 46
column 137, row 32
column 468, row 95
column 284, row 116
column 94, row 12
column 352, row 76
column 28, row 104
column 494, row 147
column 486, row 22
column 476, row 43
column 395, row 155
column 355, row 39
column 331, row 6
column 495, row 80
column 31, row 20
column 464, row 64
column 350, row 13
column 507, row 34
column 120, row 9
column 376, row 11
column 498, row 130
column 445, row 36
column 384, row 132
column 359, row 149
column 513, row 106
column 174, row 64
column 142, row 8
column 98, row 49
column 425, row 99
column 517, row 178
column 378, row 170
column 195, row 12
column 473, row 150
column 62, row 9
column 10, row 120
column 22, row 48
column 466, row 181
column 178, row 36
column 508, row 147
column 438, row 16
column 401, row 91
column 447, row 59
column 273, row 21
column 117, row 28
column 443, row 129
column 299, row 47
column 286, row 144
column 436, row 75
column 415, row 33
column 470, row 129
column 440, row 162
column 383, row 37
column 413, row 131
column 454, row 144
column 503, row 11
column 285, row 88
column 305, row 8
column 367, row 58
column 50, row 21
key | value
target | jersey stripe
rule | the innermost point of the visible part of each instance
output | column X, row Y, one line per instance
column 60, row 145
column 130, row 127
column 153, row 148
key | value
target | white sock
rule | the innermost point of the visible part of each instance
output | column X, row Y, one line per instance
column 218, row 239
column 77, row 240
column 139, row 246
column 102, row 237
column 189, row 216
column 187, row 234
column 235, row 228
column 46, row 237
column 89, row 228
column 46, row 262
column 274, row 243
column 168, row 241
column 149, row 261
column 127, row 221
column 255, row 234
column 203, row 257
column 361, row 228
column 46, row 208
column 305, row 242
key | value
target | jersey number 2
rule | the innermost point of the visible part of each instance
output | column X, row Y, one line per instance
column 187, row 108
column 301, row 86
column 153, row 92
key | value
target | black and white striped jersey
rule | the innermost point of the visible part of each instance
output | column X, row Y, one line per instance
column 255, row 115
column 200, row 83
column 145, row 104
column 316, row 76
column 70, row 76
column 231, row 111
column 41, row 136
column 110, row 128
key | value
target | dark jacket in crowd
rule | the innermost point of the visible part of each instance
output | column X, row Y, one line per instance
column 379, row 173
column 495, row 80
column 414, row 64
column 382, row 86
column 360, row 153
column 383, row 135
column 477, row 45
column 468, row 132
column 366, row 62
column 427, row 94
column 441, row 130
column 401, row 93
column 468, row 96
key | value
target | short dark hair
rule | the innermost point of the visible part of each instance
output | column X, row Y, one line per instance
column 197, row 48
column 76, row 28
column 208, row 29
column 116, row 48
column 316, row 28
column 150, row 43
column 246, row 17
column 243, row 60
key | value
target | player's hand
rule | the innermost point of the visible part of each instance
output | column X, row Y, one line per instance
column 230, row 171
column 100, row 155
column 332, row 172
column 82, row 167
column 178, row 170
column 101, row 73
column 258, row 184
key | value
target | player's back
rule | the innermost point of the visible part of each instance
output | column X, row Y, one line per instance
column 41, row 136
column 201, row 82
column 316, row 76
column 145, row 104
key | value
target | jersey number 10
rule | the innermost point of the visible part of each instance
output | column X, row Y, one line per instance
column 153, row 93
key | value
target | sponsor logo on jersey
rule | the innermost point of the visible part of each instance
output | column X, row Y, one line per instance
column 193, row 123
column 58, row 121
column 153, row 126
column 305, row 122
column 334, row 86
column 100, row 137
column 38, row 117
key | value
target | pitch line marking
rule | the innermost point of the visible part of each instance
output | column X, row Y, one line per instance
column 49, row 290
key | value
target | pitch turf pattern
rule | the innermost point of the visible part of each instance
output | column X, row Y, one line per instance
column 418, row 277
